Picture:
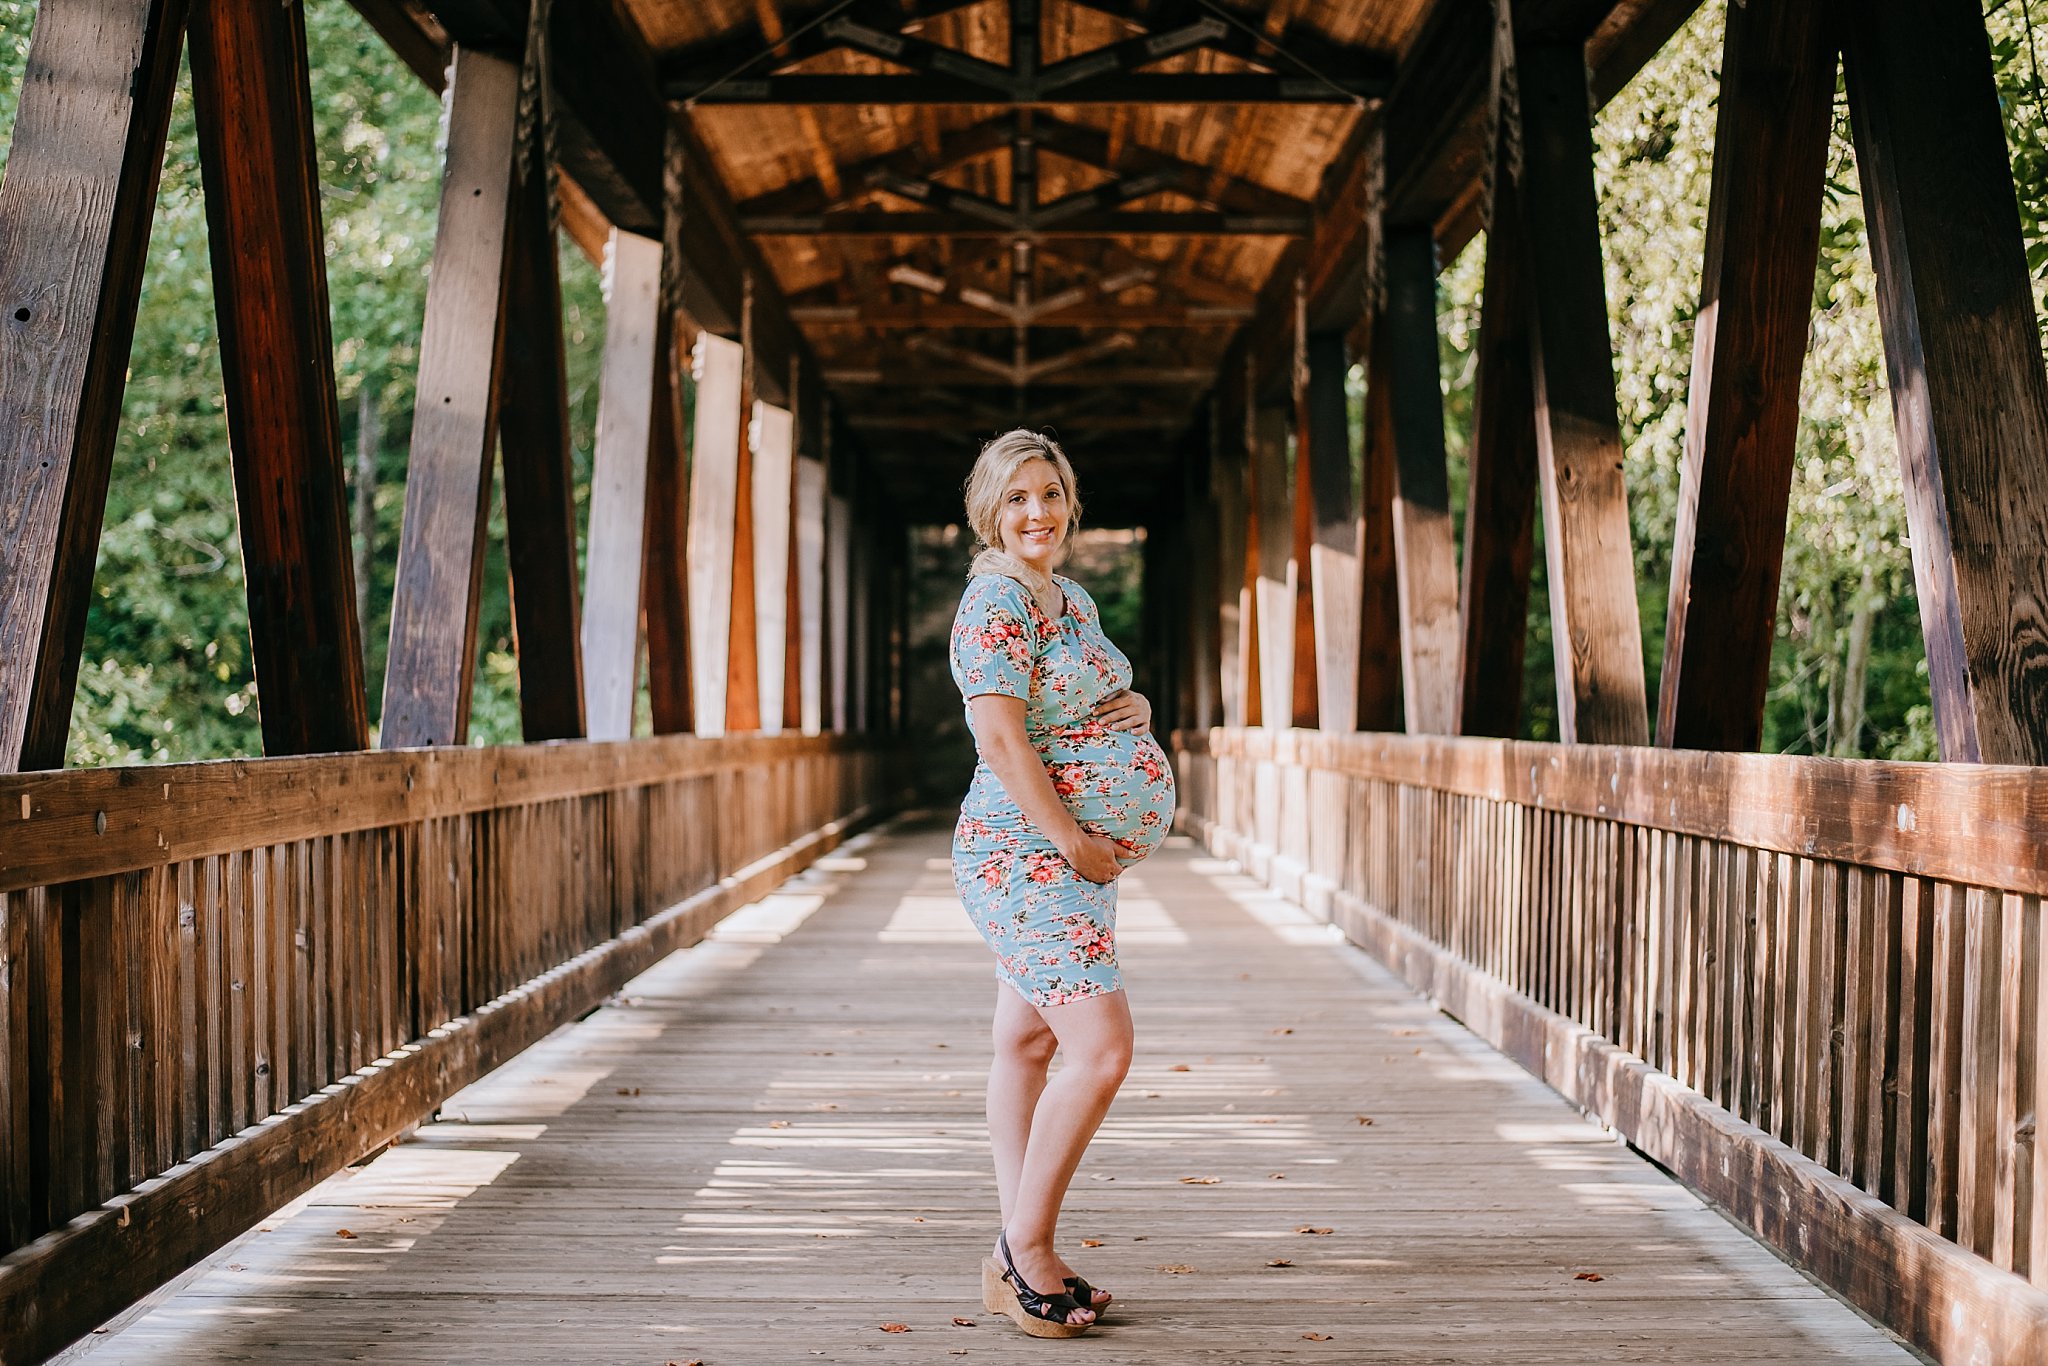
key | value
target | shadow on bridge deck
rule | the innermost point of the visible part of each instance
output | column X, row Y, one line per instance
column 770, row 1145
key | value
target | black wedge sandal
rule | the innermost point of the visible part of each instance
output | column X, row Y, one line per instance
column 1084, row 1295
column 1004, row 1291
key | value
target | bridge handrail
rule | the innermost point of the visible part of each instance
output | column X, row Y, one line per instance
column 221, row 982
column 1813, row 988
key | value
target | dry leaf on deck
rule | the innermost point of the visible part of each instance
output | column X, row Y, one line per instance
column 959, row 1322
column 1589, row 1276
column 895, row 1327
column 1365, row 1119
column 1201, row 1180
column 1091, row 1242
column 343, row 1233
column 1310, row 1228
column 1279, row 1261
column 1176, row 1269
column 1316, row 1337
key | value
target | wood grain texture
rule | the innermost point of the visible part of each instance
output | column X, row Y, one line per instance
column 1500, row 498
column 253, row 109
column 88, row 145
column 714, row 501
column 1424, row 553
column 1969, row 397
column 618, row 497
column 664, row 553
column 774, row 477
column 1379, row 629
column 1586, row 539
column 1742, row 419
column 432, row 657
column 534, row 449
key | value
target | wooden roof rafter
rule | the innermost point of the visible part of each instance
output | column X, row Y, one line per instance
column 745, row 67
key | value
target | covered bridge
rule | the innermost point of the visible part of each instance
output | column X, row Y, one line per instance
column 844, row 239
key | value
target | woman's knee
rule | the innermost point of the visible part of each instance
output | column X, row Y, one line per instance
column 1030, row 1043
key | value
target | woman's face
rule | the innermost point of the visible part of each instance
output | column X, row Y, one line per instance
column 1034, row 519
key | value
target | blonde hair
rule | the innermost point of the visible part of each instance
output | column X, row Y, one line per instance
column 990, row 479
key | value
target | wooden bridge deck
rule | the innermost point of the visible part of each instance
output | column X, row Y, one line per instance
column 770, row 1145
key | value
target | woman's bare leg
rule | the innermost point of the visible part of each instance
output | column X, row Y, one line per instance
column 1024, row 1047
column 1095, row 1038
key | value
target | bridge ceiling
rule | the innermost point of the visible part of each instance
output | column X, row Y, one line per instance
column 962, row 250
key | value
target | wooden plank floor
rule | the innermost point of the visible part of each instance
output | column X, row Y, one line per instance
column 770, row 1145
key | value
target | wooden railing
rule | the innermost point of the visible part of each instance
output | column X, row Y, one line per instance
column 221, row 982
column 1810, row 987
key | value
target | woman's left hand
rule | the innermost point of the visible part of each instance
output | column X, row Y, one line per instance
column 1126, row 710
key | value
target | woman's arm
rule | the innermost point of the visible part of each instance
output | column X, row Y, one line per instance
column 1006, row 749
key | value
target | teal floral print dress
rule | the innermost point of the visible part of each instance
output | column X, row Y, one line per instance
column 1053, row 931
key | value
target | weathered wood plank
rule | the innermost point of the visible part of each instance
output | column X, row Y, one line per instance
column 618, row 496
column 1500, row 499
column 1586, row 539
column 714, row 501
column 1963, row 355
column 1425, row 557
column 533, row 441
column 432, row 656
column 1742, row 420
column 88, row 145
column 770, row 439
column 253, row 108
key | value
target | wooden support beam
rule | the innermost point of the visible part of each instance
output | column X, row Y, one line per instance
column 839, row 713
column 1379, row 615
column 1324, row 449
column 742, row 660
column 714, row 502
column 769, row 443
column 1595, row 624
column 432, row 657
column 534, row 450
column 1306, row 703
column 958, row 221
column 664, row 550
column 811, row 503
column 1500, row 499
column 626, row 430
column 74, row 226
column 1964, row 359
column 1425, row 558
column 1273, row 572
column 253, row 109
column 1742, row 420
column 1181, row 88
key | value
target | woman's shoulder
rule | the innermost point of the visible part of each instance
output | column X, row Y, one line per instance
column 996, row 590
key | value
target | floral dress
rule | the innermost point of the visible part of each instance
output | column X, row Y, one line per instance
column 1053, row 931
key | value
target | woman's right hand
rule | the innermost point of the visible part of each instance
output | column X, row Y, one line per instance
column 1094, row 857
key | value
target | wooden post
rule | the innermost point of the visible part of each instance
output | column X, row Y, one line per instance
column 742, row 665
column 1306, row 705
column 1273, row 572
column 1325, row 450
column 1500, row 500
column 1380, row 701
column 614, row 567
column 838, row 610
column 74, row 227
column 664, row 554
column 768, row 438
column 714, row 498
column 254, row 114
column 1742, row 420
column 1596, row 626
column 432, row 656
column 810, row 593
column 1425, row 559
column 1968, row 393
column 534, row 449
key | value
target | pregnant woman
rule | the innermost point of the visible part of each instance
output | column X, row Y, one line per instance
column 1071, row 789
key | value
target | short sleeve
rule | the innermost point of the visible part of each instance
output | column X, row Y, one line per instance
column 993, row 639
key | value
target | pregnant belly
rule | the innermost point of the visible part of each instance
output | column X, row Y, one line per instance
column 1117, row 784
